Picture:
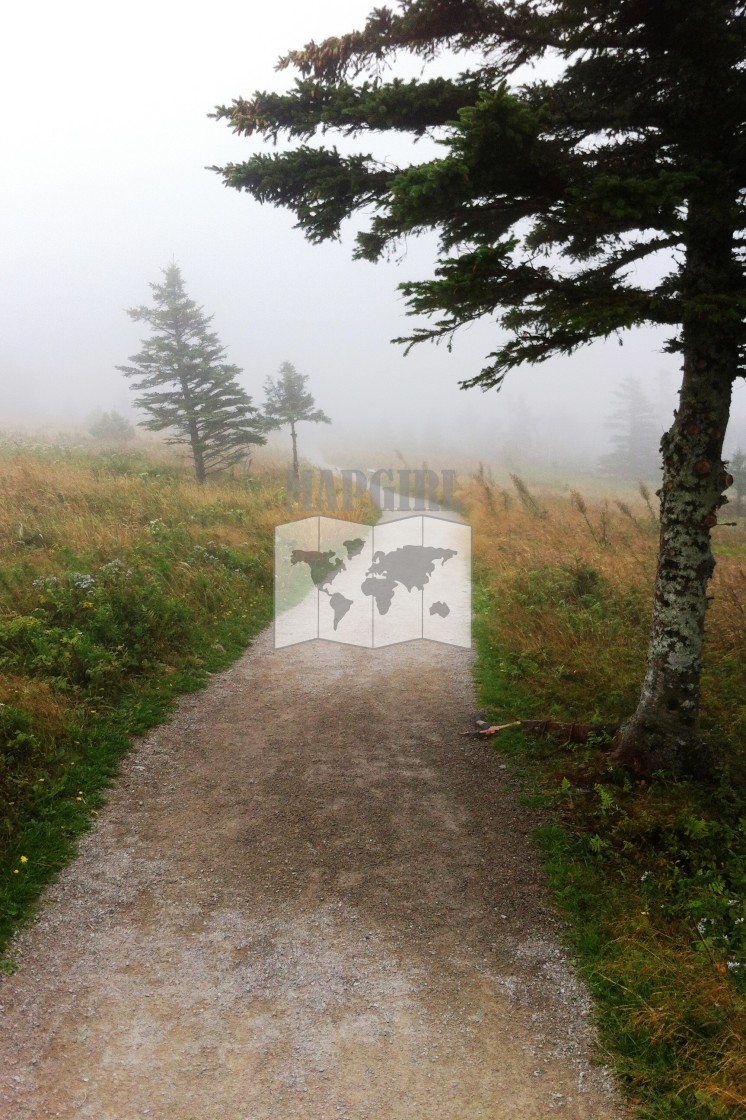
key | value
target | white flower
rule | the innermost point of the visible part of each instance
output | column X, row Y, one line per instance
column 81, row 581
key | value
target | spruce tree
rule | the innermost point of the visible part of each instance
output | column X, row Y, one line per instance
column 113, row 427
column 185, row 385
column 635, row 434
column 287, row 401
column 626, row 144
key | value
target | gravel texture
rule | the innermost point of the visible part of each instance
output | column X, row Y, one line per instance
column 309, row 896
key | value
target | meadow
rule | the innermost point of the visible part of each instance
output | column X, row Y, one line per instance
column 650, row 875
column 123, row 584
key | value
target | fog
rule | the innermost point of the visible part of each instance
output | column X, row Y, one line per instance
column 106, row 144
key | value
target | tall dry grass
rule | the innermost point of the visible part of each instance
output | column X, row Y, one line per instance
column 102, row 503
column 573, row 578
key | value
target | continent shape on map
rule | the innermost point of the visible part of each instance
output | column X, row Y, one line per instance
column 323, row 568
column 411, row 566
column 382, row 591
column 354, row 547
column 340, row 605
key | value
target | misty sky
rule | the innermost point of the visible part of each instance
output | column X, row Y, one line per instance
column 106, row 141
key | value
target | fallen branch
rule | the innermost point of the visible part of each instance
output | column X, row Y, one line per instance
column 484, row 728
column 540, row 728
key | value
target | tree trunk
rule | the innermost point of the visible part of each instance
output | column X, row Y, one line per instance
column 296, row 470
column 194, row 438
column 664, row 731
column 199, row 460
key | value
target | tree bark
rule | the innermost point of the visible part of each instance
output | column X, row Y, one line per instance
column 664, row 733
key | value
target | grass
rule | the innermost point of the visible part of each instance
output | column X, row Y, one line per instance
column 650, row 876
column 126, row 586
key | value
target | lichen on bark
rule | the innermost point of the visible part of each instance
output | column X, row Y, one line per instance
column 664, row 731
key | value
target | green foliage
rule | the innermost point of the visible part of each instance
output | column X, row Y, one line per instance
column 593, row 170
column 97, row 640
column 96, row 630
column 414, row 106
column 112, row 427
column 185, row 384
column 289, row 402
column 651, row 877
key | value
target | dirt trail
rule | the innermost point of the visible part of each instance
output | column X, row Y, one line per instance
column 308, row 896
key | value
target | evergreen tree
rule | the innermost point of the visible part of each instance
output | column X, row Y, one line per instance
column 112, row 426
column 634, row 434
column 289, row 402
column 546, row 195
column 185, row 384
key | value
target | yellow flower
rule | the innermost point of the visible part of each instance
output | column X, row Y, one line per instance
column 24, row 859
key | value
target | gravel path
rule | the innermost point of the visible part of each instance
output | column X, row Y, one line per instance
column 309, row 896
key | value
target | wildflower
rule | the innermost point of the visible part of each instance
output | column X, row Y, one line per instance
column 24, row 859
column 47, row 581
column 82, row 581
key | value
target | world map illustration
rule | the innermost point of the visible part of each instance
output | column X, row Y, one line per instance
column 409, row 567
column 400, row 580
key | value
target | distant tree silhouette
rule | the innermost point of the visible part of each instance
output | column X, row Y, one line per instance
column 185, row 384
column 635, row 434
column 737, row 469
column 112, row 426
column 289, row 402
